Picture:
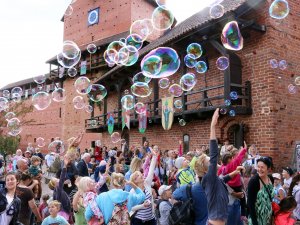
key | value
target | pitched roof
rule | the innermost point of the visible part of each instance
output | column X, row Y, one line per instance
column 192, row 25
column 98, row 43
column 21, row 83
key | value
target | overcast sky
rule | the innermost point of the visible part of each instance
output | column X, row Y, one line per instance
column 31, row 33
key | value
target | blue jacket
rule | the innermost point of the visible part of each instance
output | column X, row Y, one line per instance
column 106, row 202
column 127, row 177
column 199, row 201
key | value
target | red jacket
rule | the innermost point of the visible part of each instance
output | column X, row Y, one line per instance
column 230, row 167
column 283, row 218
column 98, row 153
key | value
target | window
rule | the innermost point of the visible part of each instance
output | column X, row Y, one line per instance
column 143, row 140
column 93, row 17
column 59, row 112
column 186, row 143
column 34, row 140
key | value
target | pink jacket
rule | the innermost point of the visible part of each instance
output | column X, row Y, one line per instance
column 230, row 167
column 283, row 218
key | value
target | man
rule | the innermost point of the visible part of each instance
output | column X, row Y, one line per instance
column 22, row 167
column 27, row 156
column 82, row 166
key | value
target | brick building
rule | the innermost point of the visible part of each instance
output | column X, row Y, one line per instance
column 266, row 114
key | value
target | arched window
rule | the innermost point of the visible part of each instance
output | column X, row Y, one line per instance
column 186, row 143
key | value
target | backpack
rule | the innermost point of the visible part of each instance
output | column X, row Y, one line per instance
column 120, row 215
column 157, row 213
column 182, row 211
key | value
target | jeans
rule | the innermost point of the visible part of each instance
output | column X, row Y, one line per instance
column 234, row 214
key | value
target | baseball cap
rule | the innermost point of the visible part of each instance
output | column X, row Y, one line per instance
column 289, row 170
column 28, row 151
column 276, row 176
column 163, row 188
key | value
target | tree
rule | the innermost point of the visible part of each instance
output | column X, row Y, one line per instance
column 9, row 144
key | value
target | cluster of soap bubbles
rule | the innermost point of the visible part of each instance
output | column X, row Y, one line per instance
column 194, row 51
column 282, row 64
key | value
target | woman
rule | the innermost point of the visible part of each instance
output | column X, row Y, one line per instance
column 145, row 215
column 260, row 194
column 78, row 207
column 107, row 201
column 25, row 194
column 10, row 210
column 135, row 165
column 295, row 191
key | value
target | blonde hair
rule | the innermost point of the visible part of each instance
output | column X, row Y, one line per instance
column 35, row 159
column 201, row 165
column 134, row 175
column 52, row 184
column 56, row 203
column 118, row 180
column 135, row 164
column 83, row 184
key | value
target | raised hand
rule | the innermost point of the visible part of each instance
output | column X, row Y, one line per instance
column 215, row 118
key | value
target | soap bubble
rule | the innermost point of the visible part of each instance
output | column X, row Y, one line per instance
column 3, row 103
column 17, row 90
column 72, row 72
column 14, row 127
column 130, row 40
column 56, row 146
column 143, row 28
column 40, row 142
column 109, row 56
column 273, row 63
column 175, row 90
column 152, row 65
column 162, row 18
column 67, row 63
column 88, row 108
column 78, row 102
column 69, row 11
column 6, row 94
column 115, row 137
column 170, row 62
column 140, row 77
column 16, row 97
column 94, row 123
column 182, row 122
column 164, row 83
column 201, row 67
column 127, row 102
column 282, row 64
column 233, row 95
column 91, row 48
column 41, row 100
column 116, row 45
column 97, row 93
column 83, row 85
column 8, row 116
column 190, row 61
column 222, row 63
column 292, row 89
column 216, row 11
column 194, row 49
column 231, row 36
column 232, row 113
column 279, row 9
column 131, row 55
column 227, row 102
column 59, row 95
column 188, row 81
column 70, row 50
column 223, row 111
column 140, row 108
column 141, row 89
column 297, row 80
column 39, row 79
column 178, row 104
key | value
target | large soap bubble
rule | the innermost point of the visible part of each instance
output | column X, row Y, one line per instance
column 83, row 85
column 97, row 93
column 231, row 36
column 152, row 65
column 56, row 146
column 142, row 28
column 66, row 62
column 175, row 90
column 162, row 18
column 70, row 50
column 14, row 127
column 194, row 49
column 140, row 77
column 127, row 102
column 279, row 9
column 169, row 59
column 78, row 102
column 141, row 89
column 59, row 95
column 41, row 100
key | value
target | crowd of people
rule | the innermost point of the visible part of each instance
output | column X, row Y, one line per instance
column 148, row 186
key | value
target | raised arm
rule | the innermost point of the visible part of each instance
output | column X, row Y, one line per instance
column 150, row 175
column 213, row 145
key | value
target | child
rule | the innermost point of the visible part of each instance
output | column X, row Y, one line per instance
column 86, row 187
column 164, row 205
column 34, row 170
column 284, row 211
column 54, row 218
column 279, row 191
column 43, row 205
column 185, row 174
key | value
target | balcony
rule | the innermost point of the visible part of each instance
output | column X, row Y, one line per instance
column 197, row 104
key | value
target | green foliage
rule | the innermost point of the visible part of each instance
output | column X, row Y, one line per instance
column 8, row 145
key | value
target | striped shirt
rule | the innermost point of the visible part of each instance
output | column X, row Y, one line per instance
column 146, row 213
